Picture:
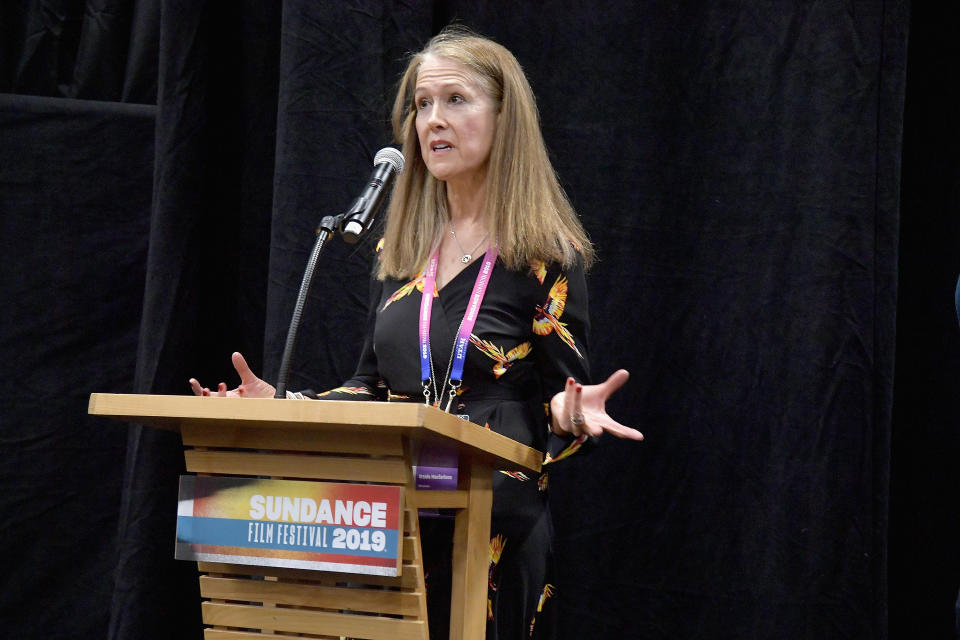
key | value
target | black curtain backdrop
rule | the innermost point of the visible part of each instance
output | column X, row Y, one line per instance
column 74, row 217
column 773, row 193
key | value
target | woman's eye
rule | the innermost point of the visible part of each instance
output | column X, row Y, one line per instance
column 422, row 103
column 456, row 98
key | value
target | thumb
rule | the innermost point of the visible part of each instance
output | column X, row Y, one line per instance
column 616, row 380
column 240, row 364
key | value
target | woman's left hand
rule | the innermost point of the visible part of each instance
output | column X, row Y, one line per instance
column 580, row 409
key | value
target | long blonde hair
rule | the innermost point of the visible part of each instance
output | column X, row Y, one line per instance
column 530, row 215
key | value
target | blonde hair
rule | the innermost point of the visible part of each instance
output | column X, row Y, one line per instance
column 530, row 215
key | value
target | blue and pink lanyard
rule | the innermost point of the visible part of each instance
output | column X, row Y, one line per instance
column 459, row 356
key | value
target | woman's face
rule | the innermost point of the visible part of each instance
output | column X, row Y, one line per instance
column 456, row 120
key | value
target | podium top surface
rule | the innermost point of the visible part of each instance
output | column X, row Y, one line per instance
column 407, row 418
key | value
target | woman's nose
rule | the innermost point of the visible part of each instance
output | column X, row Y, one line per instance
column 436, row 118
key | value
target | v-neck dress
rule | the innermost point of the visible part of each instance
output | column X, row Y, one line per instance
column 529, row 336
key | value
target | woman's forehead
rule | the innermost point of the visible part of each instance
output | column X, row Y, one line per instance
column 438, row 71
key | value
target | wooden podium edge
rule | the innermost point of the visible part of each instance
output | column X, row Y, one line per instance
column 169, row 412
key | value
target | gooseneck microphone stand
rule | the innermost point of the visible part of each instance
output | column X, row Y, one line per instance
column 327, row 227
column 351, row 224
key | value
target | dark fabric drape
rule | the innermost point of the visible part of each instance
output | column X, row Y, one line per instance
column 206, row 273
column 761, row 275
column 747, row 226
column 75, row 184
column 90, row 49
column 339, row 66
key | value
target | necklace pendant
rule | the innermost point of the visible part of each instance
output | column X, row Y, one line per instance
column 466, row 258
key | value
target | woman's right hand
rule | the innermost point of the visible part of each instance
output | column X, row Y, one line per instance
column 250, row 385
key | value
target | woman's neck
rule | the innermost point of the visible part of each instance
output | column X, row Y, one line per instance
column 466, row 236
column 466, row 203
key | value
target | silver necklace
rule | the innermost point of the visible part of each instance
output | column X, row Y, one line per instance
column 467, row 255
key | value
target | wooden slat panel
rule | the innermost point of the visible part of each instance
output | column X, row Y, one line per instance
column 372, row 600
column 411, row 523
column 410, row 548
column 389, row 470
column 408, row 580
column 320, row 622
column 290, row 439
column 410, row 516
column 229, row 634
column 424, row 499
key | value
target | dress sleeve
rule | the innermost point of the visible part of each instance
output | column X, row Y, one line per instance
column 561, row 324
column 366, row 383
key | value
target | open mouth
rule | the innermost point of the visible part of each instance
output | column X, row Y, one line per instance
column 442, row 146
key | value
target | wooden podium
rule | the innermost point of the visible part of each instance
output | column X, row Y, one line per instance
column 367, row 442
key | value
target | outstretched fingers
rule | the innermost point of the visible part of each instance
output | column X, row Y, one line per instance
column 199, row 390
column 579, row 410
column 622, row 431
column 602, row 421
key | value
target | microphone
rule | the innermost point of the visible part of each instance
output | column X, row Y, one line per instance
column 360, row 216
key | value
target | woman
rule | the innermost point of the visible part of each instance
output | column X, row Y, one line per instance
column 479, row 302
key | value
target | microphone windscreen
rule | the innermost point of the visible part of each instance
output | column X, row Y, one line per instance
column 391, row 155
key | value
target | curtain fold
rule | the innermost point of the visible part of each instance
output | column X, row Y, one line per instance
column 206, row 273
column 88, row 49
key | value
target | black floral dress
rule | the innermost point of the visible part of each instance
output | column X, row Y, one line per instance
column 530, row 335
